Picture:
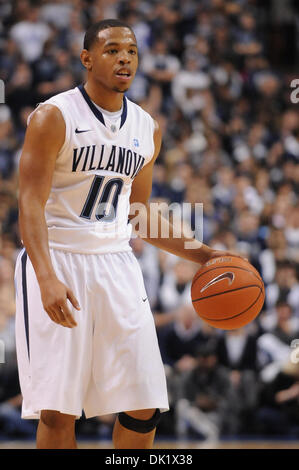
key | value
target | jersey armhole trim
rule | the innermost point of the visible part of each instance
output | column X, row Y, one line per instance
column 153, row 128
column 151, row 154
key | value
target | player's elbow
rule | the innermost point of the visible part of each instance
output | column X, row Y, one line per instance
column 29, row 204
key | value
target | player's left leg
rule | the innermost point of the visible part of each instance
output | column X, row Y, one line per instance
column 135, row 429
column 56, row 431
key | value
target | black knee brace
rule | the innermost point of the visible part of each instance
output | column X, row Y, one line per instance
column 139, row 425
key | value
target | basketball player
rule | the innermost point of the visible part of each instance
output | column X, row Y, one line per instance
column 85, row 332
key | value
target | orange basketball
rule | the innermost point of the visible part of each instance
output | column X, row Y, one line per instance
column 227, row 292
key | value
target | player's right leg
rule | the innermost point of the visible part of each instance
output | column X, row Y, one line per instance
column 135, row 429
column 56, row 431
column 54, row 362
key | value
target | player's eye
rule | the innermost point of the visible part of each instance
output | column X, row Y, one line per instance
column 132, row 52
column 112, row 51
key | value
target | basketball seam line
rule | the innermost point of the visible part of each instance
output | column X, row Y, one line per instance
column 220, row 267
column 227, row 291
column 234, row 316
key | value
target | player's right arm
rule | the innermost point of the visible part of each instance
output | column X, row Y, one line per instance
column 44, row 138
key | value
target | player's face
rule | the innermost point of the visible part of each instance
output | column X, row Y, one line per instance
column 113, row 59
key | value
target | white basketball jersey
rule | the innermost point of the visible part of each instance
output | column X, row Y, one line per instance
column 88, row 207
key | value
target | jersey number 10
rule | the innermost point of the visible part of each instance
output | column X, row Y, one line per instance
column 105, row 211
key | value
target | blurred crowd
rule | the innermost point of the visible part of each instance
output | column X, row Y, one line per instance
column 217, row 77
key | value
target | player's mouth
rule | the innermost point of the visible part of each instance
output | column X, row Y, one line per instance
column 123, row 74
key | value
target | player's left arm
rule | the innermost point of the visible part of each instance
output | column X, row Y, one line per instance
column 141, row 191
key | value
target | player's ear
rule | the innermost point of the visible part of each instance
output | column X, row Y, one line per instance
column 86, row 60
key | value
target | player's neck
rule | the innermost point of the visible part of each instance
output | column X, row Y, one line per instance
column 106, row 99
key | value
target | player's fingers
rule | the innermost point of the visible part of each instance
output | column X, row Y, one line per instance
column 72, row 299
column 56, row 314
column 52, row 315
column 66, row 316
column 61, row 319
column 241, row 257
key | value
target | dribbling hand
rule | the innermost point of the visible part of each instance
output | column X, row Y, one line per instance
column 221, row 253
column 54, row 296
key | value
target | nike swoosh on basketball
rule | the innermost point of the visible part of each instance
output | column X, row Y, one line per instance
column 228, row 275
column 78, row 131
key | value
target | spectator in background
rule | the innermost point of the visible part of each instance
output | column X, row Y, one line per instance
column 285, row 285
column 30, row 34
column 56, row 13
column 224, row 188
column 204, row 405
column 279, row 403
column 160, row 68
column 180, row 341
column 246, row 41
column 257, row 141
column 280, row 329
column 56, row 80
column 7, row 143
column 140, row 27
column 188, row 88
column 237, row 351
column 19, row 92
column 7, row 306
column 161, row 191
column 175, row 291
column 45, row 68
column 213, row 157
column 75, row 33
column 275, row 252
column 247, row 232
column 292, row 233
column 198, row 48
column 8, row 59
column 8, row 205
column 176, row 285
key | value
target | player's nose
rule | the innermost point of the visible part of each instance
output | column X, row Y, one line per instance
column 124, row 58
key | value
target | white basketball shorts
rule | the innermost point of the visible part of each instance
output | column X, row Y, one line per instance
column 110, row 362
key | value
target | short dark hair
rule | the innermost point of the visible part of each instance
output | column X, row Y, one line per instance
column 92, row 32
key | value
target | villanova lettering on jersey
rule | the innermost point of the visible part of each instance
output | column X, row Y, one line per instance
column 117, row 159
